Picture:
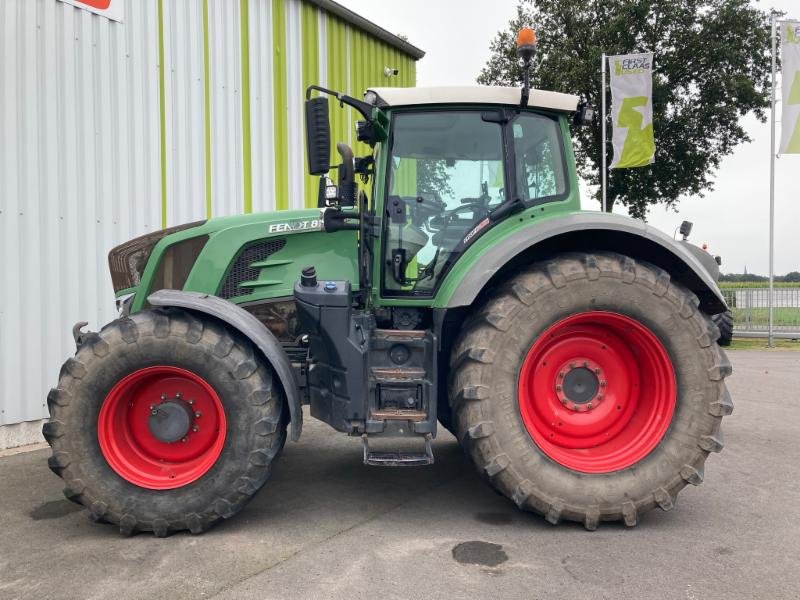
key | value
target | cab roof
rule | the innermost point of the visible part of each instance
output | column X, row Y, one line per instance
column 472, row 94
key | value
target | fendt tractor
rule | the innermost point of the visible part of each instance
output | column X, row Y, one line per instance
column 446, row 278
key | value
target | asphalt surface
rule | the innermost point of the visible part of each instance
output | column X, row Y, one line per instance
column 326, row 526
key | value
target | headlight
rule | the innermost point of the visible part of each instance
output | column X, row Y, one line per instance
column 127, row 261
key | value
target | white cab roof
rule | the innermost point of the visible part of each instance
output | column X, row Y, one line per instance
column 473, row 94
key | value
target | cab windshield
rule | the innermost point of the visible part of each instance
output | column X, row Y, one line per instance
column 447, row 172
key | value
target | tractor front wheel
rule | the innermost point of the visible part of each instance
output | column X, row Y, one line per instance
column 164, row 421
column 590, row 388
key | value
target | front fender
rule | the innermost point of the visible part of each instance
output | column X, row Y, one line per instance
column 252, row 329
column 481, row 265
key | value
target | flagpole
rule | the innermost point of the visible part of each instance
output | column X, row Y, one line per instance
column 603, row 176
column 772, row 188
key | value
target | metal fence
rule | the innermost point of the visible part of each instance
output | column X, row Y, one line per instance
column 750, row 308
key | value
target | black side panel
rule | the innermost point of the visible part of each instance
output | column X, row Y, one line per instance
column 338, row 345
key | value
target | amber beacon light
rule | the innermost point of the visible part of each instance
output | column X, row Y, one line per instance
column 526, row 48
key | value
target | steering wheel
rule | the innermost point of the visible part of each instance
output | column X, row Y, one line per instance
column 451, row 228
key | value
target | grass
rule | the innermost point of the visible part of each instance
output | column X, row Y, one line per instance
column 733, row 285
column 761, row 344
column 760, row 316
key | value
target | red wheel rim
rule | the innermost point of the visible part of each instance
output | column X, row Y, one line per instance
column 597, row 392
column 131, row 448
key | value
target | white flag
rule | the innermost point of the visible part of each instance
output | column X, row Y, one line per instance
column 790, row 67
column 632, row 110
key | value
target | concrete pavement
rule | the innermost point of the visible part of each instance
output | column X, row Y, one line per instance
column 326, row 526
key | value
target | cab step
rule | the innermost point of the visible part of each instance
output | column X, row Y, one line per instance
column 398, row 458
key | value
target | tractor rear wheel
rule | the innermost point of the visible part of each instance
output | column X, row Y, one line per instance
column 590, row 388
column 724, row 321
column 164, row 421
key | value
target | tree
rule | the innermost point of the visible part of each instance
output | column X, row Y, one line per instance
column 793, row 276
column 711, row 67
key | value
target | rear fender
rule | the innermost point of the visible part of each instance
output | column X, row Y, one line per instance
column 250, row 327
column 581, row 232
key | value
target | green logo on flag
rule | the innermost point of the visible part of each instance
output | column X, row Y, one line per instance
column 792, row 34
column 793, row 146
column 639, row 146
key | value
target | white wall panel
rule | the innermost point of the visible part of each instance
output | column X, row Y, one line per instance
column 184, row 105
column 261, row 105
column 79, row 173
column 226, row 108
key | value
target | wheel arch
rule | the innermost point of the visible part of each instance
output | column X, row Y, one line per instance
column 251, row 328
column 589, row 232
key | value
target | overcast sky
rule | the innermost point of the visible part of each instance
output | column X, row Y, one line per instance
column 733, row 219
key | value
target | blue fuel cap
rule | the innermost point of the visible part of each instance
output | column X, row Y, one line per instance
column 330, row 286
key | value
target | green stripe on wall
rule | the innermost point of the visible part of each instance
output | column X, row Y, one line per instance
column 162, row 117
column 207, row 95
column 244, row 35
column 309, row 33
column 337, row 76
column 280, row 107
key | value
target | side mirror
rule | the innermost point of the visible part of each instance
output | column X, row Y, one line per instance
column 318, row 136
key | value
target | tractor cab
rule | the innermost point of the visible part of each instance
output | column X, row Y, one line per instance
column 448, row 166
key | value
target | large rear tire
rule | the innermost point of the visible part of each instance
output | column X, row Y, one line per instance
column 590, row 388
column 164, row 421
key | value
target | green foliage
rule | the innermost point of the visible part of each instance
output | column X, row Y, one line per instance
column 432, row 177
column 712, row 67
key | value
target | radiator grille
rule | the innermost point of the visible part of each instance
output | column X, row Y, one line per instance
column 241, row 269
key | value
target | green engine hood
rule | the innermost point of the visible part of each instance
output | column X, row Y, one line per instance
column 300, row 242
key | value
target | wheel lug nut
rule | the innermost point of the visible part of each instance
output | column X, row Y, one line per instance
column 585, row 364
column 597, row 371
column 191, row 402
column 163, row 396
column 561, row 374
column 178, row 395
column 195, row 429
column 603, row 383
column 572, row 365
column 564, row 401
column 558, row 388
column 600, row 396
column 589, row 406
column 198, row 415
column 184, row 440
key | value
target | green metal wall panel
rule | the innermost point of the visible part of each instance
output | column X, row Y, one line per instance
column 336, row 38
column 309, row 24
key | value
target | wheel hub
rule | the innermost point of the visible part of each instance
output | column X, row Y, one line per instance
column 578, row 386
column 170, row 420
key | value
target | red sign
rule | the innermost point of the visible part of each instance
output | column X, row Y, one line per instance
column 111, row 9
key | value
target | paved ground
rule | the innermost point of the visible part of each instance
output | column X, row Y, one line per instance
column 328, row 527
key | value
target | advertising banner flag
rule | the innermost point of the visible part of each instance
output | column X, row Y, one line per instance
column 632, row 110
column 790, row 68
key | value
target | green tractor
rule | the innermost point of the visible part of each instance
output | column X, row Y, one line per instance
column 448, row 277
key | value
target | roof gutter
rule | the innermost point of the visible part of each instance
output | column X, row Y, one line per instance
column 369, row 27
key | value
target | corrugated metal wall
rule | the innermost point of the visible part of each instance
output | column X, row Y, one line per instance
column 100, row 144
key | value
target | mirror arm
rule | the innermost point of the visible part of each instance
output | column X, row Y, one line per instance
column 362, row 107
